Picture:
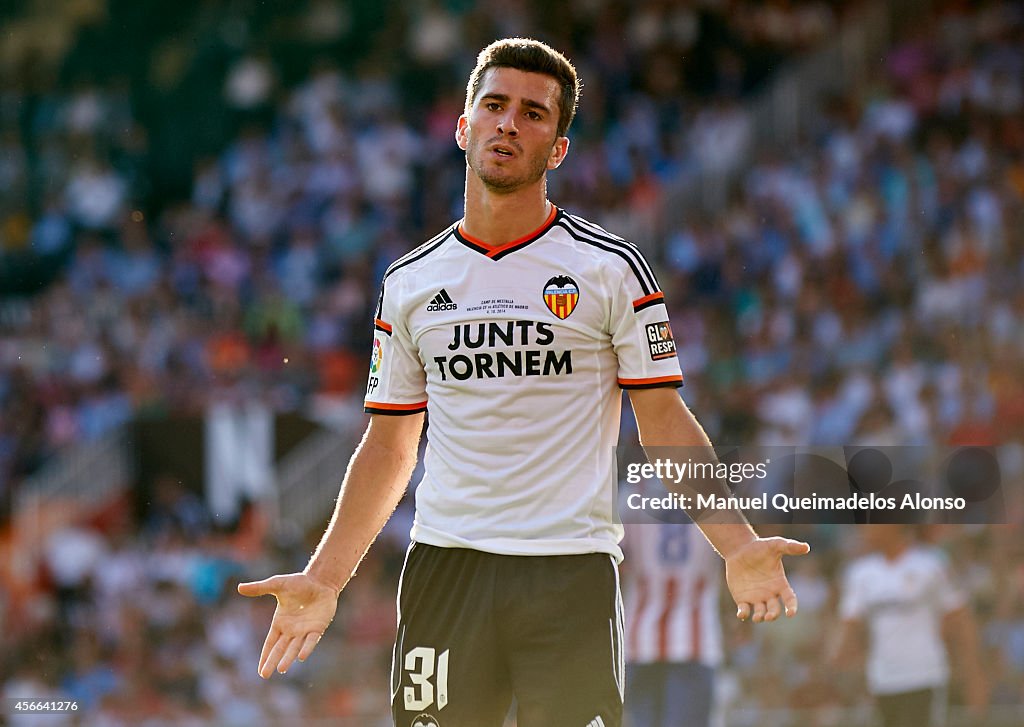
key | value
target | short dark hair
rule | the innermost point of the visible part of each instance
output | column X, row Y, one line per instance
column 532, row 56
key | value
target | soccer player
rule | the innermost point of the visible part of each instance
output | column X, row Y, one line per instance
column 904, row 594
column 673, row 634
column 515, row 328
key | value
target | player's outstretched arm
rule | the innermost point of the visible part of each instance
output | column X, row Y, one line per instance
column 753, row 565
column 377, row 476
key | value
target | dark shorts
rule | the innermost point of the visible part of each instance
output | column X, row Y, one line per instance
column 477, row 629
column 920, row 708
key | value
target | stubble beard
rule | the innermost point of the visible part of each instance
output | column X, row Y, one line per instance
column 501, row 181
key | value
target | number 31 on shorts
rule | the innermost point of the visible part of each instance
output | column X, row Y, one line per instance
column 422, row 663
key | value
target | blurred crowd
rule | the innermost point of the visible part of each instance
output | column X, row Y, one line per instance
column 263, row 274
column 860, row 286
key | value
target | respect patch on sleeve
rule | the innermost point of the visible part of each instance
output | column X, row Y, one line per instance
column 660, row 341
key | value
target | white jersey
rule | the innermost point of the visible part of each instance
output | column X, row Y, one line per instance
column 903, row 602
column 518, row 354
column 671, row 584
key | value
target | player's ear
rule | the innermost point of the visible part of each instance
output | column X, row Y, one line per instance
column 558, row 152
column 462, row 132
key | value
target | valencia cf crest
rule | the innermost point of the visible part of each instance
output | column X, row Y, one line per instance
column 561, row 294
column 424, row 720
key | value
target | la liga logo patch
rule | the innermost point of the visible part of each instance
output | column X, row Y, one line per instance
column 660, row 340
column 561, row 294
column 377, row 356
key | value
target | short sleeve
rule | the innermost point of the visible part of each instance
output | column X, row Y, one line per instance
column 642, row 335
column 397, row 380
column 851, row 602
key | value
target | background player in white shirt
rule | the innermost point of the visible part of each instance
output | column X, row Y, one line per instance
column 673, row 634
column 903, row 594
column 511, row 584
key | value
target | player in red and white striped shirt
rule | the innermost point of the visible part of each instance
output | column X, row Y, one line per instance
column 673, row 634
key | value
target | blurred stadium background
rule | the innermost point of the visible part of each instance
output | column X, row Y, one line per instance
column 197, row 202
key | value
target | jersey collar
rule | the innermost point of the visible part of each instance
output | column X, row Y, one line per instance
column 496, row 252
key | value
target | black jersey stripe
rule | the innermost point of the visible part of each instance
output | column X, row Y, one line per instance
column 476, row 247
column 370, row 409
column 410, row 257
column 641, row 278
column 656, row 383
column 602, row 233
column 589, row 228
column 425, row 249
column 520, row 246
column 647, row 304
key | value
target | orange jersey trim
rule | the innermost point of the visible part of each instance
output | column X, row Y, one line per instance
column 395, row 407
column 384, row 326
column 493, row 250
column 648, row 298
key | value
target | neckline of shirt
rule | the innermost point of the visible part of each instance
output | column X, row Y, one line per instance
column 496, row 252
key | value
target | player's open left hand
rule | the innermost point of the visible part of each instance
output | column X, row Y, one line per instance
column 305, row 608
column 757, row 580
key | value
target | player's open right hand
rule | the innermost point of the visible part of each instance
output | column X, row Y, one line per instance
column 305, row 608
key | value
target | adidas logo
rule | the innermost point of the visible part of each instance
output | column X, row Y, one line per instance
column 442, row 301
column 596, row 722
